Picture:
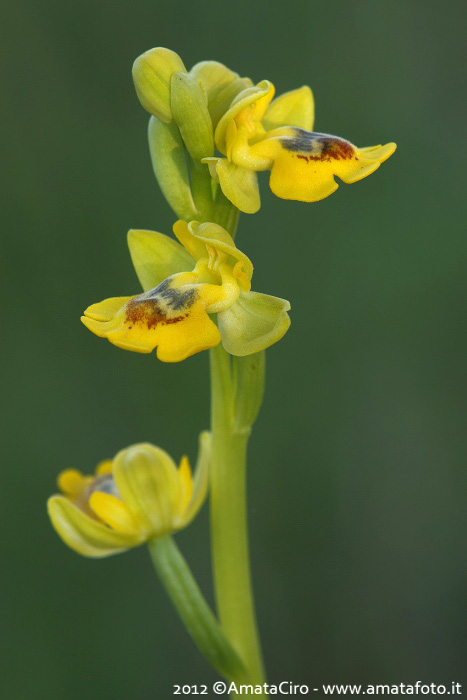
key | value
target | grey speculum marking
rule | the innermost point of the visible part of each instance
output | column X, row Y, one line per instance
column 303, row 141
column 175, row 299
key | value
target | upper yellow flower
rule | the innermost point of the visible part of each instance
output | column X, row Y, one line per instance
column 256, row 134
column 137, row 496
column 209, row 275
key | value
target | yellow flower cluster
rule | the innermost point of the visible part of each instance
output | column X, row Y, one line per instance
column 210, row 133
column 253, row 131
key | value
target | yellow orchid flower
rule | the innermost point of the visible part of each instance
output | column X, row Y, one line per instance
column 258, row 133
column 134, row 498
column 183, row 285
column 220, row 85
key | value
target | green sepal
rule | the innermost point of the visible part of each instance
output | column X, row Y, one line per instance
column 156, row 257
column 191, row 114
column 152, row 72
column 253, row 323
column 147, row 480
column 85, row 534
column 170, row 168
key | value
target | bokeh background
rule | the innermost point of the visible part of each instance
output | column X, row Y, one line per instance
column 356, row 480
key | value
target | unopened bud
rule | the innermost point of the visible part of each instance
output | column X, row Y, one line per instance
column 152, row 73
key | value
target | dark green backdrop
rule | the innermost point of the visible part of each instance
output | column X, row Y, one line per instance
column 356, row 482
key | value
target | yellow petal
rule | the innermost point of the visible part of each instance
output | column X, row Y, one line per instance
column 294, row 108
column 84, row 534
column 260, row 106
column 246, row 98
column 72, row 482
column 184, row 233
column 104, row 467
column 113, row 512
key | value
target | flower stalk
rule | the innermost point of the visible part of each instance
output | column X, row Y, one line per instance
column 237, row 390
column 193, row 609
column 229, row 527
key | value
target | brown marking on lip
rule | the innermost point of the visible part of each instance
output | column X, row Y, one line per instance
column 312, row 146
column 336, row 149
column 332, row 149
column 148, row 312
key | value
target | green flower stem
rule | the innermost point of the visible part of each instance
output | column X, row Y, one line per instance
column 201, row 188
column 225, row 214
column 190, row 604
column 211, row 203
column 229, row 518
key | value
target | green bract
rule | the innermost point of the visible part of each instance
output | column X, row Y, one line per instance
column 168, row 159
column 191, row 114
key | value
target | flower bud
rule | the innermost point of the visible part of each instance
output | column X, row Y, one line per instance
column 152, row 73
column 190, row 112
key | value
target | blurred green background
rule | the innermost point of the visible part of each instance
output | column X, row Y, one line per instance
column 356, row 480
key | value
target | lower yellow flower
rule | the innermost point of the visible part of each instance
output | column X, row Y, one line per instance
column 137, row 496
column 256, row 134
column 208, row 275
